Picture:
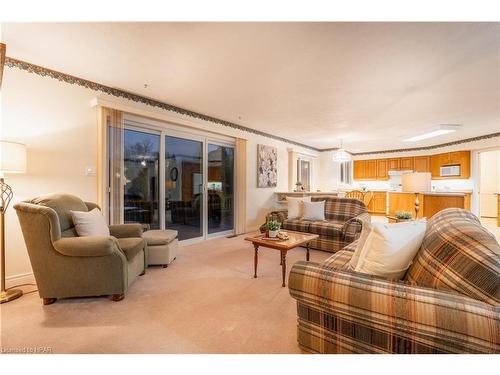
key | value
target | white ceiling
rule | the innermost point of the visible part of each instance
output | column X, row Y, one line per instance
column 372, row 84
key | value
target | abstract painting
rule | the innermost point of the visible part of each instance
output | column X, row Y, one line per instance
column 267, row 168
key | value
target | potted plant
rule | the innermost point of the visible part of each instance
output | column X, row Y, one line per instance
column 298, row 186
column 273, row 227
column 403, row 216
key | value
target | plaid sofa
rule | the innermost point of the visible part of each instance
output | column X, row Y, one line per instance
column 344, row 220
column 448, row 302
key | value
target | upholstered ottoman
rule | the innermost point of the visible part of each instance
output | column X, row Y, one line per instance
column 162, row 246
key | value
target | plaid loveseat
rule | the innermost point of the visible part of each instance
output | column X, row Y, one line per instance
column 448, row 302
column 344, row 220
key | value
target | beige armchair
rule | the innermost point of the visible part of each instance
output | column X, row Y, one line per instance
column 66, row 265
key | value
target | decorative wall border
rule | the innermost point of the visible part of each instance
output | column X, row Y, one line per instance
column 63, row 77
column 426, row 148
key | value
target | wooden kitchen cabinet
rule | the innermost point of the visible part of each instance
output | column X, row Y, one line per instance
column 359, row 169
column 461, row 158
column 422, row 163
column 377, row 169
column 406, row 164
column 393, row 164
column 378, row 204
column 371, row 170
column 382, row 169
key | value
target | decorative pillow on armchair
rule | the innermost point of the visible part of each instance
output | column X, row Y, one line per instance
column 90, row 223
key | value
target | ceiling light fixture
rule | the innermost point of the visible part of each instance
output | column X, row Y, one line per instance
column 436, row 132
column 341, row 155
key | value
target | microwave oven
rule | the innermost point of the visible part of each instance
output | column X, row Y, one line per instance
column 449, row 171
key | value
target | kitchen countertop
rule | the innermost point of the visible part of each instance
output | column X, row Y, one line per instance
column 442, row 193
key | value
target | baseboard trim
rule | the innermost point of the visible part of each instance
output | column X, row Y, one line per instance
column 23, row 278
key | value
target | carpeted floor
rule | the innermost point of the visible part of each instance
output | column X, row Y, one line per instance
column 206, row 301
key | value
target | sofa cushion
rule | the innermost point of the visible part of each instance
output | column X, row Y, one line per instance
column 297, row 225
column 158, row 237
column 339, row 260
column 62, row 204
column 326, row 228
column 459, row 255
column 131, row 246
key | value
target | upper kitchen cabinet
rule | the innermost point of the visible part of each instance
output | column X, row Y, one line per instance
column 382, row 169
column 406, row 164
column 365, row 169
column 422, row 163
column 450, row 165
column 378, row 169
column 393, row 164
column 359, row 169
column 371, row 170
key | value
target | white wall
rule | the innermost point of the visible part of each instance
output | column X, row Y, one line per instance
column 59, row 126
column 489, row 182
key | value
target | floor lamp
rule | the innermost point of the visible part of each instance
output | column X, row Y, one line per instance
column 12, row 160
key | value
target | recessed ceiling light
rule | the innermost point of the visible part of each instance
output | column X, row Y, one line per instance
column 440, row 130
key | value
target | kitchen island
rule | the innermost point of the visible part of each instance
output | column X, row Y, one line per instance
column 429, row 202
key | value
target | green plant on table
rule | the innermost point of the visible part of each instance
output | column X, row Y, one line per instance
column 403, row 215
column 273, row 225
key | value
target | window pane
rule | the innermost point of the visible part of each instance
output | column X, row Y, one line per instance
column 220, row 188
column 141, row 168
column 184, row 186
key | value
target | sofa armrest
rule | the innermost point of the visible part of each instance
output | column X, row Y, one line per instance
column 92, row 246
column 424, row 318
column 352, row 227
column 126, row 230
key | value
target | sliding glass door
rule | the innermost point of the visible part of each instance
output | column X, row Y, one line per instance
column 220, row 186
column 184, row 185
column 170, row 179
column 141, row 165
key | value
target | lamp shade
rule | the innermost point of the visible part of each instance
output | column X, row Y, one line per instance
column 12, row 157
column 341, row 155
column 417, row 182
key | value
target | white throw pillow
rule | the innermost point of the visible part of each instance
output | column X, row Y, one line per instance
column 314, row 211
column 365, row 232
column 295, row 206
column 90, row 223
column 390, row 248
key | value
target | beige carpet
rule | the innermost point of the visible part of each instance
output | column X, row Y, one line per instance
column 205, row 302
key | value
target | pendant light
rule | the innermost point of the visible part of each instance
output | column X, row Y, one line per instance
column 341, row 155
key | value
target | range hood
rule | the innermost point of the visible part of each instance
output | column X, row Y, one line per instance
column 399, row 172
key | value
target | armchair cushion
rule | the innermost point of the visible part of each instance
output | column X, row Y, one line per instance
column 86, row 246
column 126, row 230
column 131, row 246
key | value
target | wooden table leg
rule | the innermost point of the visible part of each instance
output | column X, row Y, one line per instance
column 283, row 267
column 307, row 252
column 255, row 260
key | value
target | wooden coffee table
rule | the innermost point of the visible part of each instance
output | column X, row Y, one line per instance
column 296, row 239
